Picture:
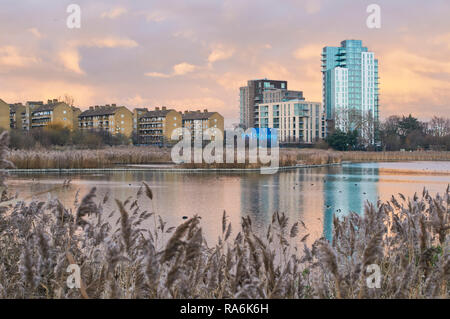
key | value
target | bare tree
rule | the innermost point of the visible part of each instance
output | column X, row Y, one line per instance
column 353, row 119
column 439, row 126
column 68, row 99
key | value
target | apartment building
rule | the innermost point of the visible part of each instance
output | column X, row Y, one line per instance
column 110, row 118
column 297, row 121
column 26, row 116
column 4, row 115
column 198, row 121
column 17, row 112
column 137, row 113
column 156, row 127
column 54, row 113
column 350, row 84
column 253, row 94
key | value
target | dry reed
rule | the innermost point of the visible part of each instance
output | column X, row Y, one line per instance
column 408, row 238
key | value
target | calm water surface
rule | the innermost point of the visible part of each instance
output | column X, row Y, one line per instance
column 312, row 195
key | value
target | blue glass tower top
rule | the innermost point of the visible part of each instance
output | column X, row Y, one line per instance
column 350, row 81
column 349, row 51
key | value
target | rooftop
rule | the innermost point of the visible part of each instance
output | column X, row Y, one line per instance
column 197, row 115
column 47, row 107
column 13, row 107
column 157, row 112
column 101, row 110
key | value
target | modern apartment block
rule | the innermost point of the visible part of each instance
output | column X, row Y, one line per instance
column 54, row 113
column 109, row 118
column 297, row 121
column 156, row 127
column 253, row 94
column 197, row 122
column 350, row 85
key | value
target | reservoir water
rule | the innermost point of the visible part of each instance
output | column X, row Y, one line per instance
column 311, row 195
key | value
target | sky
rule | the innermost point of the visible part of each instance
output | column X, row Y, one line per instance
column 195, row 54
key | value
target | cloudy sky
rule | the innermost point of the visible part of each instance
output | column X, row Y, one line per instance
column 195, row 54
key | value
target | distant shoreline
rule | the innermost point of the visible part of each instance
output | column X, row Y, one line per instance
column 172, row 168
column 156, row 169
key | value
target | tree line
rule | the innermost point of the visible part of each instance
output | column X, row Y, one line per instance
column 397, row 133
column 58, row 136
column 393, row 134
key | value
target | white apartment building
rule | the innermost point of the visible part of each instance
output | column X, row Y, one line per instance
column 297, row 120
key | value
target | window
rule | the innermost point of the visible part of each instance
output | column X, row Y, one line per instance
column 122, row 116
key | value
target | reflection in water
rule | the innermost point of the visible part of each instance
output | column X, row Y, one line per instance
column 312, row 195
column 348, row 190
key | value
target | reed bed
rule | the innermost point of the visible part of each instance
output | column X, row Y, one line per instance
column 133, row 155
column 79, row 159
column 395, row 156
column 330, row 156
column 315, row 157
column 285, row 159
column 129, row 155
